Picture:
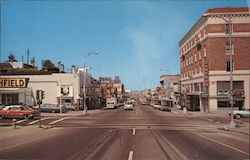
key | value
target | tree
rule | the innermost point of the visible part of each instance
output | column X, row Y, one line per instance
column 47, row 64
column 11, row 58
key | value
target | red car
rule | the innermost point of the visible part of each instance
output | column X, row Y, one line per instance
column 17, row 111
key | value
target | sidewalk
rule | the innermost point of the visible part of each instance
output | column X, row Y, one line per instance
column 219, row 117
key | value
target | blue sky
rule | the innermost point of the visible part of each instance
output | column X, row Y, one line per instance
column 136, row 39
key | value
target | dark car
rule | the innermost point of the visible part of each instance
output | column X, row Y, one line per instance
column 2, row 106
column 52, row 108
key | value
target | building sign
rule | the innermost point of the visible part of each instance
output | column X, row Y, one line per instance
column 14, row 82
column 105, row 80
column 66, row 90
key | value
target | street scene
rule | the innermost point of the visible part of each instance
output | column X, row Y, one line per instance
column 125, row 80
column 143, row 133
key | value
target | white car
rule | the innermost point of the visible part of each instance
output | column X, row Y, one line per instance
column 241, row 113
column 129, row 105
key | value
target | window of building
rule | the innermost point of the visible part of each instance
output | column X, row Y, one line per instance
column 200, row 69
column 205, row 52
column 195, row 58
column 199, row 53
column 227, row 48
column 228, row 66
column 228, row 28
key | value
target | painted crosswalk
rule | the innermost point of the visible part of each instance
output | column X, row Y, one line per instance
column 33, row 122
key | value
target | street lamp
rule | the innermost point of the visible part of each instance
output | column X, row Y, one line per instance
column 229, row 22
column 60, row 98
column 84, row 79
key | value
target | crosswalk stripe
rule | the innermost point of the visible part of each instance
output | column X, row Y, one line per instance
column 33, row 122
column 54, row 122
column 23, row 120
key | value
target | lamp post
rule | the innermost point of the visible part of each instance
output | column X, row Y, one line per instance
column 232, row 123
column 229, row 22
column 60, row 94
column 84, row 79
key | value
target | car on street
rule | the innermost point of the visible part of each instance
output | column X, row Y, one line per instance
column 51, row 108
column 18, row 111
column 241, row 113
column 165, row 108
column 2, row 106
column 70, row 107
column 129, row 105
column 156, row 106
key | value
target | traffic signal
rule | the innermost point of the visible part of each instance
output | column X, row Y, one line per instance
column 37, row 95
column 42, row 94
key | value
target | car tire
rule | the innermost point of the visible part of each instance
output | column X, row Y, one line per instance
column 25, row 116
column 237, row 116
column 2, row 117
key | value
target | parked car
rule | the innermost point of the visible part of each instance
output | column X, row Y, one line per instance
column 165, row 108
column 2, row 106
column 156, row 106
column 70, row 107
column 52, row 108
column 241, row 113
column 18, row 111
column 129, row 105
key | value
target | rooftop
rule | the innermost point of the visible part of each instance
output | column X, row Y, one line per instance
column 226, row 10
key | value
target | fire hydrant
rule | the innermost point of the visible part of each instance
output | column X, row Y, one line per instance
column 14, row 123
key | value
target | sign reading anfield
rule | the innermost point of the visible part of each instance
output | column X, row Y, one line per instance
column 14, row 82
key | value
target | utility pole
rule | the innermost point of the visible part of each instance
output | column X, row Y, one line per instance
column 232, row 123
column 84, row 80
column 229, row 31
column 60, row 94
column 28, row 52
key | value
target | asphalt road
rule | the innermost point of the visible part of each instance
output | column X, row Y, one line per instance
column 142, row 134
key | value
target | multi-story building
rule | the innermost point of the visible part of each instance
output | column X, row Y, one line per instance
column 205, row 60
column 169, row 82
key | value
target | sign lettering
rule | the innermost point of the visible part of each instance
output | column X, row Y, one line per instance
column 14, row 82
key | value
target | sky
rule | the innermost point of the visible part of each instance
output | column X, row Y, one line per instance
column 136, row 40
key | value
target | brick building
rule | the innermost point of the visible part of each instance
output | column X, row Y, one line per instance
column 204, row 60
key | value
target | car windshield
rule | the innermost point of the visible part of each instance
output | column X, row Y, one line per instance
column 129, row 103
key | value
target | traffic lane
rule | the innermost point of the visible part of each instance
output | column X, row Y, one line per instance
column 117, row 147
column 147, row 146
column 199, row 147
column 62, row 145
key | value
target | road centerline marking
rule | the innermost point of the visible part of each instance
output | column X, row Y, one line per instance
column 130, row 156
column 133, row 132
column 59, row 120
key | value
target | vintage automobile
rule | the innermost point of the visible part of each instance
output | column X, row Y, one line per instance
column 52, row 108
column 2, row 106
column 241, row 113
column 164, row 108
column 129, row 105
column 18, row 111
